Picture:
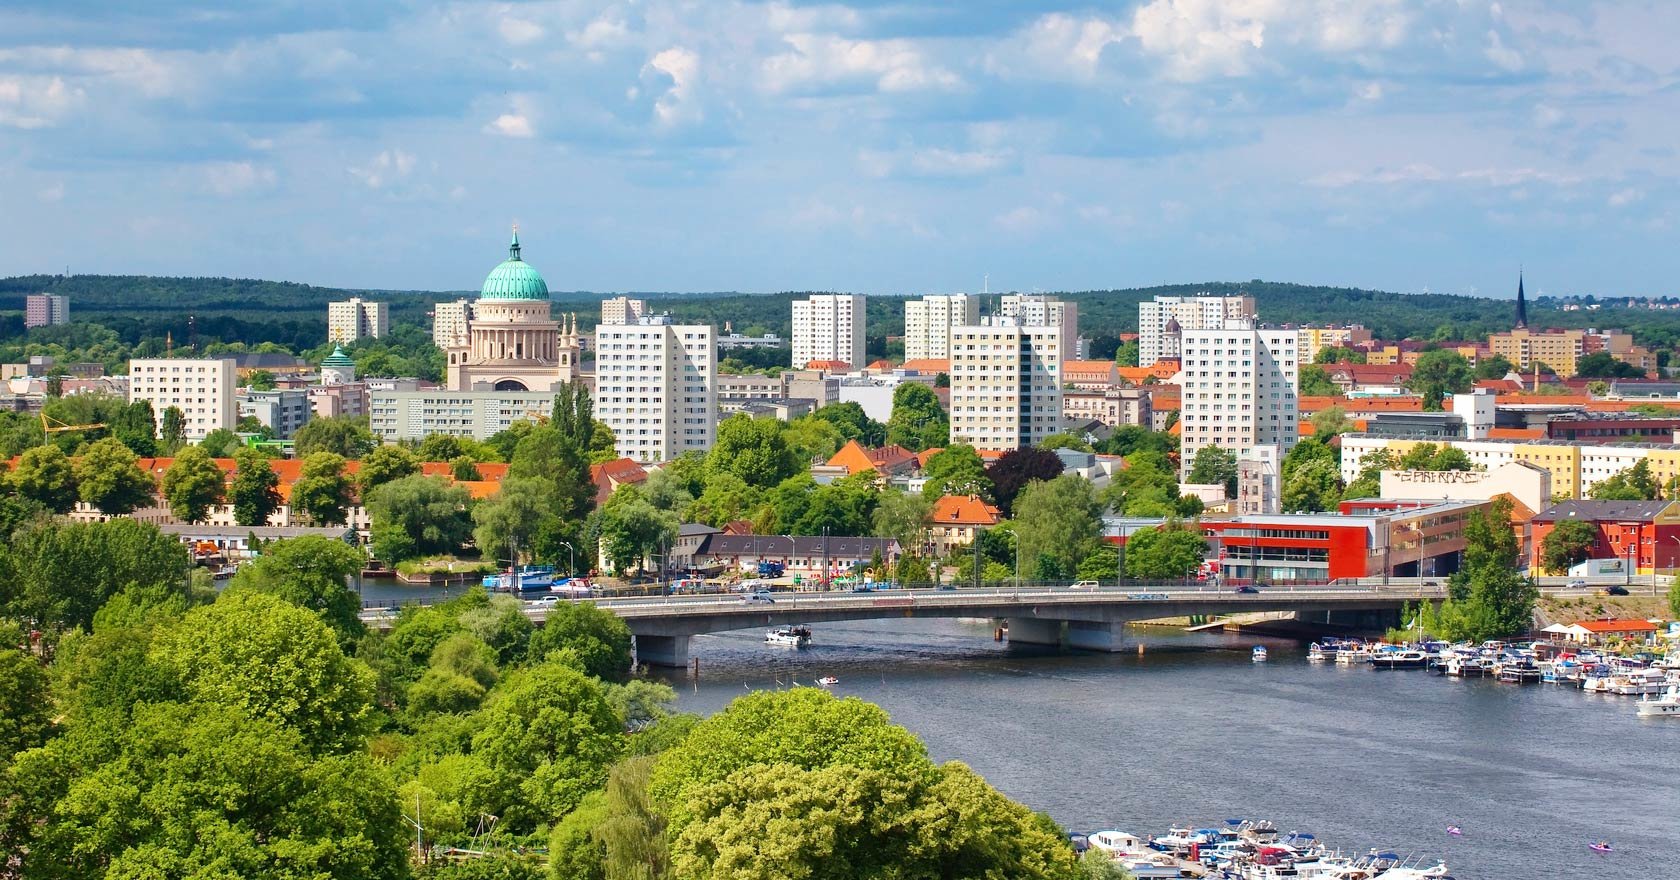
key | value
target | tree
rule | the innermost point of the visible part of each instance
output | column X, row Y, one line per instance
column 1126, row 354
column 220, row 443
column 1315, row 382
column 44, row 474
column 1632, row 484
column 902, row 516
column 1336, row 354
column 1314, row 486
column 1065, row 440
column 1603, row 365
column 310, row 572
column 1147, row 486
column 1430, row 457
column 464, row 469
column 385, row 464
column 172, row 430
column 752, row 449
column 726, row 498
column 1569, row 542
column 417, row 515
column 1487, row 598
column 25, row 703
column 1215, row 466
column 956, row 470
column 1059, row 519
column 918, row 421
column 505, row 526
column 345, row 436
column 1674, row 598
column 1439, row 373
column 812, row 439
column 108, row 476
column 575, row 851
column 597, row 638
column 1170, row 550
column 60, row 574
column 322, row 491
column 853, row 423
column 1369, row 482
column 260, row 380
column 633, row 530
column 1493, row 367
column 843, row 507
column 192, row 485
column 1102, row 564
column 632, row 830
column 1018, row 468
column 1331, row 421
column 255, row 488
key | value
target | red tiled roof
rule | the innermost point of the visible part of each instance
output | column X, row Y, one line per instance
column 929, row 365
column 827, row 365
column 856, row 459
column 1617, row 626
column 964, row 510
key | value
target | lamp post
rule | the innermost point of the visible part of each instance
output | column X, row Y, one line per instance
column 571, row 557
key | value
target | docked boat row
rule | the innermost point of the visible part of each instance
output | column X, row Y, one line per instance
column 1655, row 679
column 1251, row 850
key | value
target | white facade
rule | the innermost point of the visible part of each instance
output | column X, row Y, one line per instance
column 285, row 410
column 1039, row 310
column 1239, row 389
column 45, row 310
column 412, row 415
column 357, row 318
column 1006, row 383
column 449, row 323
column 622, row 310
column 928, row 322
column 1192, row 313
column 1259, row 471
column 655, row 388
column 829, row 327
column 201, row 388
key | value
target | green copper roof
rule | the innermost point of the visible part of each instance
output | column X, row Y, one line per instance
column 514, row 278
column 338, row 358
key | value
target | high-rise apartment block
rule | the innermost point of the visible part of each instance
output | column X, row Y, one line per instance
column 201, row 388
column 622, row 310
column 655, row 387
column 828, row 327
column 356, row 319
column 1239, row 388
column 1006, row 383
column 449, row 322
column 1039, row 310
column 1190, row 312
column 1317, row 339
column 928, row 322
column 45, row 310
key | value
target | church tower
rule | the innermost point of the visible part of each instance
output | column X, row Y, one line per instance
column 1522, row 305
column 512, row 341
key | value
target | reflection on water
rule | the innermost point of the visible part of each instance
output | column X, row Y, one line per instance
column 1193, row 731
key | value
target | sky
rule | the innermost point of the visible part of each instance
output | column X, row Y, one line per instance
column 876, row 147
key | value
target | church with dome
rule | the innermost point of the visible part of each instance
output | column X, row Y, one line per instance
column 511, row 342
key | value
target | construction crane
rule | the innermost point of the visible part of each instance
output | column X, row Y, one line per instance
column 50, row 425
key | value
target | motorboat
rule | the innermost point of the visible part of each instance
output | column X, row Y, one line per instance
column 1437, row 871
column 828, row 681
column 1665, row 706
column 1117, row 843
column 789, row 636
column 1179, row 840
column 1157, row 866
column 1258, row 654
column 1517, row 671
column 1404, row 658
column 1316, row 653
column 1351, row 654
column 1639, row 682
column 1466, row 664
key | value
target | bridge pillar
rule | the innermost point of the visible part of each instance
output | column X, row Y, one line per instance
column 662, row 650
column 1089, row 635
column 1035, row 631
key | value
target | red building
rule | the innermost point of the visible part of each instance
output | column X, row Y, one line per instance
column 1646, row 532
column 1366, row 539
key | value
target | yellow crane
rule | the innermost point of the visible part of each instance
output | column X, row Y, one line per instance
column 50, row 425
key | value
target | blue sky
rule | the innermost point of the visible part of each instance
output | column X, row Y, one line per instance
column 874, row 147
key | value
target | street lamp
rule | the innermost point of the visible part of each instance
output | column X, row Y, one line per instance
column 571, row 563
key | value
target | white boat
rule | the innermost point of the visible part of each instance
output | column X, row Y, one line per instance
column 1317, row 654
column 789, row 636
column 1638, row 682
column 828, row 681
column 1259, row 653
column 1151, row 867
column 1118, row 843
column 1665, row 706
column 1404, row 658
column 1348, row 656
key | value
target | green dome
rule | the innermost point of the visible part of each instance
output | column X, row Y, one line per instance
column 338, row 358
column 514, row 278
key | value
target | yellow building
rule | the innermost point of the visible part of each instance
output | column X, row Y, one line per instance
column 1563, row 461
column 1558, row 349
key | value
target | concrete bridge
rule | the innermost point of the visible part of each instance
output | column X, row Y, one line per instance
column 1085, row 619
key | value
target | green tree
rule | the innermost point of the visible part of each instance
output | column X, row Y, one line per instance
column 25, row 703
column 172, row 430
column 310, row 572
column 1487, row 598
column 918, row 421
column 260, row 380
column 108, row 476
column 1632, row 484
column 1170, row 550
column 597, row 638
column 60, row 574
column 575, row 851
column 44, row 474
column 633, row 530
column 1315, row 382
column 1569, row 542
column 1369, row 482
column 1102, row 564
column 726, row 498
column 1312, row 487
column 902, row 516
column 322, row 490
column 633, row 830
column 956, row 470
column 1439, row 373
column 418, row 515
column 1126, row 355
column 1493, row 367
column 254, row 489
column 220, row 443
column 464, row 469
column 461, row 672
column 1215, row 466
column 345, row 436
column 385, row 464
column 843, row 507
column 192, row 485
column 1430, row 457
column 1329, row 422
column 853, row 423
column 752, row 449
column 1674, row 598
column 1339, row 355
column 1059, row 519
column 1603, row 365
column 505, row 525
column 812, row 439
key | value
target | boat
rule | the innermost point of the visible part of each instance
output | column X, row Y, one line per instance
column 1665, row 706
column 1117, row 843
column 828, row 681
column 1601, row 846
column 1258, row 654
column 1405, row 658
column 1351, row 654
column 1517, row 671
column 1316, row 653
column 1469, row 665
column 1638, row 682
column 789, row 636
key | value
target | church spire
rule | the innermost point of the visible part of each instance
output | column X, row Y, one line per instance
column 513, row 249
column 1522, row 304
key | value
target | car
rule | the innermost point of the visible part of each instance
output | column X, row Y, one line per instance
column 1083, row 585
column 546, row 600
column 1576, row 585
column 759, row 597
column 1245, row 588
column 1616, row 590
column 863, row 588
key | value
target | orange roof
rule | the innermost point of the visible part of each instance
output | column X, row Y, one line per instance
column 480, row 489
column 1516, row 433
column 1176, row 429
column 929, row 365
column 964, row 510
column 1165, row 369
column 1134, row 375
column 882, row 364
column 1617, row 626
column 827, row 365
column 1086, row 366
column 856, row 459
column 923, row 456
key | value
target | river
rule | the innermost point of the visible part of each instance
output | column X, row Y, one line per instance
column 1194, row 732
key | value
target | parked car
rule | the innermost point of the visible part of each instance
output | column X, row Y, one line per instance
column 1616, row 590
column 546, row 600
column 1245, row 588
column 760, row 596
column 1576, row 585
column 1083, row 585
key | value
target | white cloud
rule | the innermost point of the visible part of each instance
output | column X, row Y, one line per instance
column 518, row 31
column 682, row 66
column 52, row 193
column 1065, row 44
column 237, row 178
column 36, row 101
column 385, row 168
column 1024, row 218
column 1497, row 52
column 1624, row 197
column 824, row 61
column 1202, row 39
column 511, row 125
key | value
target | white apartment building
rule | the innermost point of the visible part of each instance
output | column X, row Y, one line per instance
column 201, row 388
column 655, row 387
column 357, row 318
column 1240, row 388
column 45, row 310
column 394, row 416
column 1192, row 313
column 284, row 409
column 1259, row 476
column 928, row 322
column 1040, row 310
column 449, row 322
column 829, row 327
column 622, row 310
column 1006, row 383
